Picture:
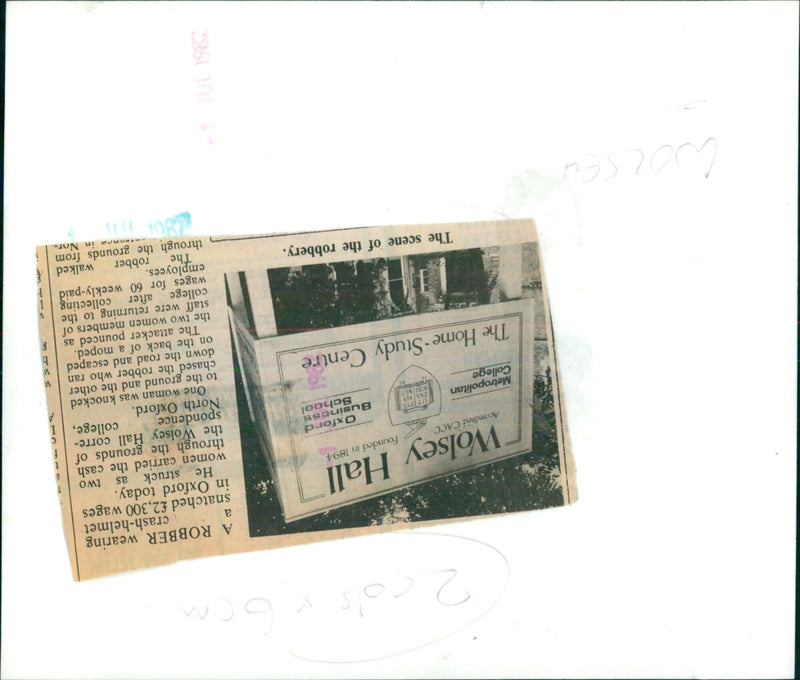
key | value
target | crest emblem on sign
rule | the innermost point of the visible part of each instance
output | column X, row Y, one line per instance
column 414, row 397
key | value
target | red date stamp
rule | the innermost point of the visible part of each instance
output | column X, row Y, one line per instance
column 200, row 52
column 201, row 59
column 316, row 380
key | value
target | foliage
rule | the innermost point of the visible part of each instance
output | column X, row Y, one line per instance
column 328, row 296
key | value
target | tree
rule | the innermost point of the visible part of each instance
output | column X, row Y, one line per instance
column 327, row 295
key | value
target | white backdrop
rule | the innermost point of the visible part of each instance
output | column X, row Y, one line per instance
column 655, row 145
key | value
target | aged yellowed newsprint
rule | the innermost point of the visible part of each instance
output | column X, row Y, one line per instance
column 217, row 395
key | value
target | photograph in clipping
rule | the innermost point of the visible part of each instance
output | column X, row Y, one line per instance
column 320, row 296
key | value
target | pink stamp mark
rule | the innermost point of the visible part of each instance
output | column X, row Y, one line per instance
column 316, row 381
column 201, row 58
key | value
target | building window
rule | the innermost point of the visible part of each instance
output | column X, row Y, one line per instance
column 397, row 288
column 423, row 281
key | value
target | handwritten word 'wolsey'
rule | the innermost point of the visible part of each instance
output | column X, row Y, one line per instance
column 687, row 157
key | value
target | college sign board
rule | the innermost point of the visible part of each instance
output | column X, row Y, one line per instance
column 354, row 412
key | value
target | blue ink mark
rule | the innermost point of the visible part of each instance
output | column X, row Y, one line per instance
column 177, row 225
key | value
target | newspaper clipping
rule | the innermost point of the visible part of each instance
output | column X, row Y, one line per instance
column 216, row 395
